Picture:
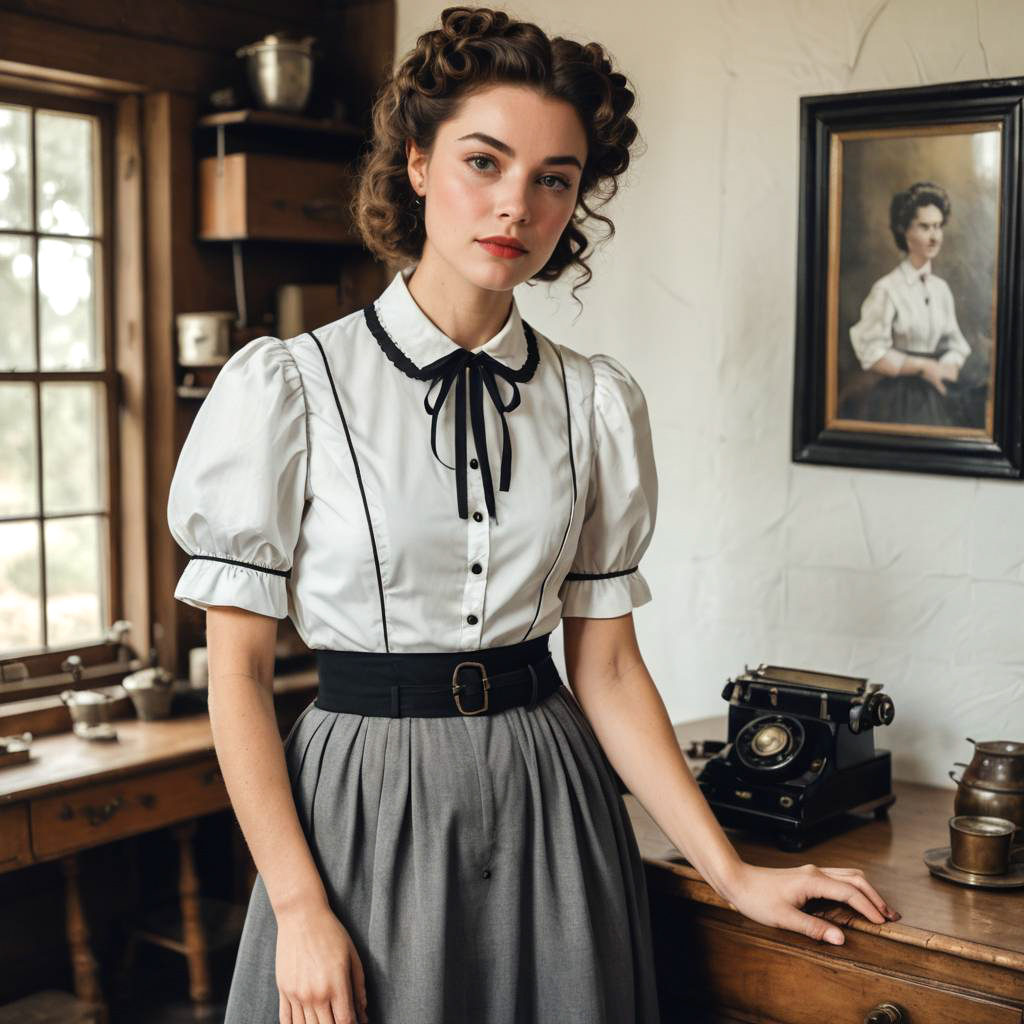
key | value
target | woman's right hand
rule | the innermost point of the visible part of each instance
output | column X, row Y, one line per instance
column 935, row 374
column 320, row 977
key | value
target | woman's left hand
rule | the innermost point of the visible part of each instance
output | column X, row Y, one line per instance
column 772, row 896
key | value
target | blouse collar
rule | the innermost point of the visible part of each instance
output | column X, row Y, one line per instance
column 421, row 342
column 914, row 274
column 421, row 350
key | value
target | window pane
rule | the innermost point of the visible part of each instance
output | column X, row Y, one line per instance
column 18, row 480
column 17, row 345
column 21, row 624
column 73, row 448
column 75, row 598
column 64, row 162
column 15, row 195
column 67, row 306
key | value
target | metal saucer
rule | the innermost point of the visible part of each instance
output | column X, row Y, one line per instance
column 95, row 730
column 940, row 865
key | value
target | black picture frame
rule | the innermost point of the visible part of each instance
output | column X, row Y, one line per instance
column 838, row 134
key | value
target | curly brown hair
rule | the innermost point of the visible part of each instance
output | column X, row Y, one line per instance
column 475, row 48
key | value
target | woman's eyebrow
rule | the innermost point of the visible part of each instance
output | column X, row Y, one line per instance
column 508, row 151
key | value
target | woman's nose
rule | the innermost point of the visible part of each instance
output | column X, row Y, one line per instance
column 514, row 204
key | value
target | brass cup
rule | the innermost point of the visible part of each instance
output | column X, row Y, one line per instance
column 980, row 844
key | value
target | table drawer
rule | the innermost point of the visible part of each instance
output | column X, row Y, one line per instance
column 15, row 848
column 122, row 807
column 765, row 980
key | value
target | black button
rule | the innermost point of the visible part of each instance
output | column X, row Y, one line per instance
column 477, row 567
column 473, row 464
column 472, row 620
column 477, row 516
column 486, row 873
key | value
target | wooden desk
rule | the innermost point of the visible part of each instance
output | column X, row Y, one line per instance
column 73, row 794
column 955, row 957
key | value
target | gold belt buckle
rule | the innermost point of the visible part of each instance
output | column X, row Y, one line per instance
column 457, row 687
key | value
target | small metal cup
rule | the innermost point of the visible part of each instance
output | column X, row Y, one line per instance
column 89, row 706
column 980, row 844
column 151, row 691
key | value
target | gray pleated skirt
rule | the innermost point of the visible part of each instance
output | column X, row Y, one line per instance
column 485, row 867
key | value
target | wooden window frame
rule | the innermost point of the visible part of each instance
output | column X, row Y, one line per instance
column 42, row 672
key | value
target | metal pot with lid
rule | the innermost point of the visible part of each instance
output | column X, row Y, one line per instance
column 997, row 764
column 993, row 783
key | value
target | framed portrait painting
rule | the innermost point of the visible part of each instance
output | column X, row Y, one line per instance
column 909, row 311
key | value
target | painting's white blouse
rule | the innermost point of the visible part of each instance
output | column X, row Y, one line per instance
column 309, row 485
column 908, row 310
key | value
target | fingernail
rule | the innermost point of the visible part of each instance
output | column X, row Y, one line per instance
column 835, row 937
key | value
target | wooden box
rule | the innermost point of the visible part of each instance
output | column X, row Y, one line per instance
column 271, row 197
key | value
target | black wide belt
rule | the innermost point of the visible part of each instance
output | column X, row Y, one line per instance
column 432, row 684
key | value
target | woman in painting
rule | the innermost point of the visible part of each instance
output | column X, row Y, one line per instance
column 908, row 332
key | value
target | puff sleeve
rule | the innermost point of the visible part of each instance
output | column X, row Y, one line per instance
column 871, row 335
column 621, row 505
column 238, row 490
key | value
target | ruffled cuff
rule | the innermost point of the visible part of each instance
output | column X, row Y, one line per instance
column 205, row 582
column 604, row 597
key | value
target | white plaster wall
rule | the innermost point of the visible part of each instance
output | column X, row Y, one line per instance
column 914, row 580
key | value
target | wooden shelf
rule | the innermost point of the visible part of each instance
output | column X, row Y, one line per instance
column 277, row 119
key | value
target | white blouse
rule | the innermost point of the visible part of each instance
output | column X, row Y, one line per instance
column 359, row 478
column 913, row 310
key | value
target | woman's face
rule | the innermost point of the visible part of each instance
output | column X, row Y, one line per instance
column 924, row 236
column 507, row 164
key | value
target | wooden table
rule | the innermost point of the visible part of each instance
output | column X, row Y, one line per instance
column 73, row 794
column 955, row 957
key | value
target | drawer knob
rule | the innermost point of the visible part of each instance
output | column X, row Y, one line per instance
column 887, row 1013
column 98, row 815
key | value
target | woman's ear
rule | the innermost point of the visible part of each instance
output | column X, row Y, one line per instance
column 416, row 161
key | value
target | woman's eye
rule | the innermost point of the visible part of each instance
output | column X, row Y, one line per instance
column 559, row 183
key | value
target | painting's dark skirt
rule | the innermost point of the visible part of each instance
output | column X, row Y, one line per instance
column 913, row 400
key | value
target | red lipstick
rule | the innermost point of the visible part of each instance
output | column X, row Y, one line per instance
column 504, row 246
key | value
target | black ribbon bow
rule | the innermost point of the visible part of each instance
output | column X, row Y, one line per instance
column 453, row 369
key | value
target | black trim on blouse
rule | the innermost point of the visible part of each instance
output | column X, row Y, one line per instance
column 362, row 490
column 483, row 369
column 600, row 575
column 245, row 565
column 575, row 493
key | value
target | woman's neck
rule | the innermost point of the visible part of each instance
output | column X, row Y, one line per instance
column 466, row 313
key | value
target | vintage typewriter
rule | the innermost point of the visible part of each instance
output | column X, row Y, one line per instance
column 800, row 761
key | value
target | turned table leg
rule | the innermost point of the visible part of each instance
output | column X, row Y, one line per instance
column 193, row 931
column 83, row 962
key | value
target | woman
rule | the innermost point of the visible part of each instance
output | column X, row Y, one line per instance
column 432, row 845
column 908, row 332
